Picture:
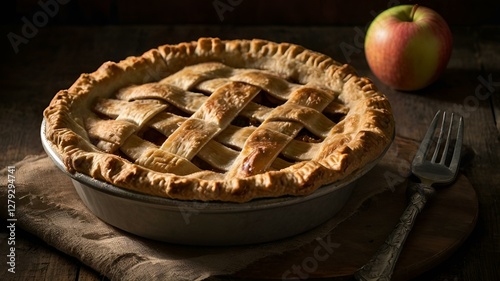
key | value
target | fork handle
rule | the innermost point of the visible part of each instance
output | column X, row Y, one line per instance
column 381, row 265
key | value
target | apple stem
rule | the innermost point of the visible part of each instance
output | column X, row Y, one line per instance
column 413, row 10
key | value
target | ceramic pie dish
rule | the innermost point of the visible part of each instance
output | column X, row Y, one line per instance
column 209, row 223
column 235, row 126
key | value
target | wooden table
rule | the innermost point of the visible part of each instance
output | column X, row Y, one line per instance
column 55, row 56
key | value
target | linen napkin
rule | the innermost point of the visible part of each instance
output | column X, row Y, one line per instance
column 48, row 206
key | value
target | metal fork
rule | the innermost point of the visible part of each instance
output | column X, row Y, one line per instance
column 439, row 169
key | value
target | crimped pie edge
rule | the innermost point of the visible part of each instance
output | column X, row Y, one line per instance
column 65, row 129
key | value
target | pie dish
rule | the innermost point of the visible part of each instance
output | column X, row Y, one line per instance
column 220, row 120
column 210, row 223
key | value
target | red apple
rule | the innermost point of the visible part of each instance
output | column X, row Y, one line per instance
column 408, row 46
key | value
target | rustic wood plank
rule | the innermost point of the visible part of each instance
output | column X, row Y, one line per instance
column 485, row 144
column 489, row 87
column 356, row 239
column 87, row 274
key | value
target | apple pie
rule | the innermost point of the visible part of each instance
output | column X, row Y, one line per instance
column 220, row 120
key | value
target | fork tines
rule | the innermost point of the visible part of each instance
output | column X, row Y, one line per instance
column 432, row 144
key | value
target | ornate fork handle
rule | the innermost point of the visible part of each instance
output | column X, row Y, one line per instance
column 381, row 265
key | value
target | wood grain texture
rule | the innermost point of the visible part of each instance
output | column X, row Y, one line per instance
column 443, row 225
column 55, row 57
column 489, row 82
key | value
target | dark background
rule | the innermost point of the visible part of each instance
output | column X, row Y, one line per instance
column 280, row 12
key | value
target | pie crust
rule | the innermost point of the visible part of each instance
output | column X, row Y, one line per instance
column 220, row 120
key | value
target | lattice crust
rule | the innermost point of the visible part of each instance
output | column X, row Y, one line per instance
column 220, row 120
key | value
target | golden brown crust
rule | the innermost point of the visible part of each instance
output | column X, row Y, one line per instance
column 238, row 70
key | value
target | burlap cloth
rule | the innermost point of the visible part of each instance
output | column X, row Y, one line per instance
column 48, row 206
